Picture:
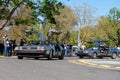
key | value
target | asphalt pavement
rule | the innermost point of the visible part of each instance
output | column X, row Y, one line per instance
column 12, row 68
column 106, row 63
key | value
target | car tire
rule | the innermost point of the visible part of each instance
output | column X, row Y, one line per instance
column 114, row 55
column 100, row 57
column 94, row 55
column 1, row 53
column 81, row 56
column 36, row 58
column 50, row 55
column 61, row 56
column 119, row 55
column 19, row 57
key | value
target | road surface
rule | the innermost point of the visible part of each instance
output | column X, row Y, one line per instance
column 43, row 69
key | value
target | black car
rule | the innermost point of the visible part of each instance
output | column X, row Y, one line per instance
column 1, row 48
column 99, row 50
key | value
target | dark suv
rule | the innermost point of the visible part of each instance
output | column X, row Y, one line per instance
column 99, row 50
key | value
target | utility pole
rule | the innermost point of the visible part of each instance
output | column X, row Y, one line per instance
column 79, row 40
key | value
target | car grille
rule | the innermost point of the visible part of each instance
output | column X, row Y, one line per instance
column 24, row 47
column 29, row 47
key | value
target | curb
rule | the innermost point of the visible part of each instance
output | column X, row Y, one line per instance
column 90, row 64
column 8, row 57
column 2, row 56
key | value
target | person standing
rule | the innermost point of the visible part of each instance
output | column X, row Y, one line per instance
column 6, row 45
column 14, row 45
column 22, row 42
column 83, row 47
column 10, row 47
column 65, row 49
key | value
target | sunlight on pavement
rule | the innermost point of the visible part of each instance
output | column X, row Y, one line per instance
column 97, row 64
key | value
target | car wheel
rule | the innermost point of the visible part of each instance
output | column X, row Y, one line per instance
column 94, row 55
column 61, row 56
column 100, row 57
column 81, row 57
column 119, row 55
column 50, row 55
column 114, row 56
column 19, row 57
column 1, row 53
column 36, row 58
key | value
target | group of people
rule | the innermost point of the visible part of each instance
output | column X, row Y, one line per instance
column 9, row 46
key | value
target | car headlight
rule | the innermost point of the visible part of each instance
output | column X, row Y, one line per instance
column 17, row 48
column 41, row 48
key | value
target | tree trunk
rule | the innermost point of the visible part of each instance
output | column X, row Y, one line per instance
column 9, row 16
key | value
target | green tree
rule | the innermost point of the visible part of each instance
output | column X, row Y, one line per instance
column 114, row 20
column 44, row 8
column 65, row 22
column 108, row 27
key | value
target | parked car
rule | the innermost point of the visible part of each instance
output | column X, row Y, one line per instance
column 1, row 48
column 118, row 48
column 73, row 50
column 42, row 50
column 99, row 50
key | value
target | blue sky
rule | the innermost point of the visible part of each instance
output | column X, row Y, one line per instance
column 103, row 6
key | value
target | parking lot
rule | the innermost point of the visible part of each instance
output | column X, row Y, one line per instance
column 105, row 63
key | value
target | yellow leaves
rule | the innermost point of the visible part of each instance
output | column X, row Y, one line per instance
column 66, row 18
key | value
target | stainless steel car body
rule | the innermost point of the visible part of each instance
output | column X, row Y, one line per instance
column 42, row 50
column 99, row 51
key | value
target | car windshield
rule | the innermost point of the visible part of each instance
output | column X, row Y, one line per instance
column 97, row 43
